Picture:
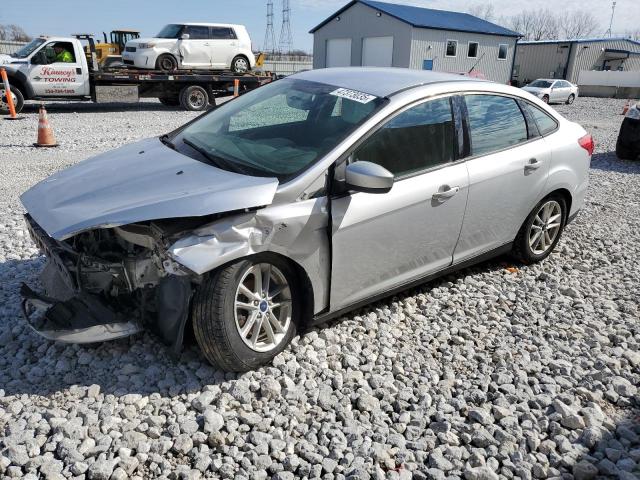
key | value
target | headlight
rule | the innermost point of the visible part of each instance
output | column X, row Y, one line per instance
column 146, row 45
column 633, row 113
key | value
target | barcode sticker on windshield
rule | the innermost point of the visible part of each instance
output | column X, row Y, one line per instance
column 354, row 95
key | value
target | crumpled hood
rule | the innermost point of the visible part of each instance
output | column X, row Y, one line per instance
column 141, row 181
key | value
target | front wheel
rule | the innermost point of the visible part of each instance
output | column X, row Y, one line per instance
column 247, row 313
column 167, row 63
column 571, row 99
column 545, row 99
column 541, row 231
column 16, row 96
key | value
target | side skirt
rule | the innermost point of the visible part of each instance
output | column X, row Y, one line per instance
column 325, row 317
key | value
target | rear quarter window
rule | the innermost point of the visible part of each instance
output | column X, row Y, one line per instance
column 545, row 122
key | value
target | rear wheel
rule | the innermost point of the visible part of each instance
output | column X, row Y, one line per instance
column 542, row 230
column 167, row 63
column 194, row 98
column 240, row 64
column 571, row 98
column 16, row 96
column 247, row 313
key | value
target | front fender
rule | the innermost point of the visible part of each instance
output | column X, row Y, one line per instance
column 297, row 231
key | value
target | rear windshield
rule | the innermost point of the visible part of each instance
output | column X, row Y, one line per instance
column 277, row 130
column 540, row 84
column 170, row 31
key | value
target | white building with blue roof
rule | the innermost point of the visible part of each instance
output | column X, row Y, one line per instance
column 378, row 34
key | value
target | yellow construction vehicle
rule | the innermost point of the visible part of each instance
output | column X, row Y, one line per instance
column 110, row 51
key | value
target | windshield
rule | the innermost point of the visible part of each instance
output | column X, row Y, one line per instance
column 29, row 48
column 170, row 31
column 541, row 84
column 280, row 129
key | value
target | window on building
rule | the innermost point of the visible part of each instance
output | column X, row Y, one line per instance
column 495, row 122
column 503, row 48
column 452, row 48
column 419, row 138
column 473, row 50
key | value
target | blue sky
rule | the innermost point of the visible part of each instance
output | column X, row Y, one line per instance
column 63, row 17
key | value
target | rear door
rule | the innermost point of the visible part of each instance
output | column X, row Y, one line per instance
column 382, row 241
column 196, row 50
column 508, row 169
column 224, row 44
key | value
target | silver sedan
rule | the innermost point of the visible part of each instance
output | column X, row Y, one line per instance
column 550, row 90
column 297, row 202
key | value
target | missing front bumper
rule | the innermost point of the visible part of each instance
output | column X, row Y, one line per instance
column 81, row 319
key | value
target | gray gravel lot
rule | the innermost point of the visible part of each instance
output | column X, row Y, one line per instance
column 499, row 371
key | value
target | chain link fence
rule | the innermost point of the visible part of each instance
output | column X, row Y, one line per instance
column 9, row 46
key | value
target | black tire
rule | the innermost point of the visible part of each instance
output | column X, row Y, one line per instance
column 214, row 317
column 18, row 100
column 545, row 99
column 240, row 64
column 173, row 101
column 521, row 246
column 167, row 63
column 570, row 100
column 194, row 98
column 624, row 153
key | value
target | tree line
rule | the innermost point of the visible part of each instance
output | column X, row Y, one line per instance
column 13, row 33
column 542, row 23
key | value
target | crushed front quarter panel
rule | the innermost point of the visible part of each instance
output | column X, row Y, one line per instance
column 139, row 182
column 297, row 231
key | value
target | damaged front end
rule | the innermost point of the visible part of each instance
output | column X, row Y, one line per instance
column 108, row 283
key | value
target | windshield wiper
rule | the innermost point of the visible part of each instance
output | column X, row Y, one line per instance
column 215, row 160
column 165, row 139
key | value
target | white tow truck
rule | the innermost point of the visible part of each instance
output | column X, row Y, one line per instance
column 37, row 72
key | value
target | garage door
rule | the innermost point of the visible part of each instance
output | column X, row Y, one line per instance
column 377, row 52
column 338, row 52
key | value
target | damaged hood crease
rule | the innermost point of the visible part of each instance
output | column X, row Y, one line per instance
column 139, row 182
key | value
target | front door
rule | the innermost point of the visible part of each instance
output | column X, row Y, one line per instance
column 56, row 70
column 507, row 173
column 196, row 50
column 382, row 241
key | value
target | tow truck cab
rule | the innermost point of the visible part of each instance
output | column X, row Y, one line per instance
column 35, row 72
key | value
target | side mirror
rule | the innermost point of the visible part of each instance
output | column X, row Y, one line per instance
column 368, row 177
column 39, row 58
column 185, row 36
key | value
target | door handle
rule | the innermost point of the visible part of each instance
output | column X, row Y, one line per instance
column 533, row 164
column 443, row 195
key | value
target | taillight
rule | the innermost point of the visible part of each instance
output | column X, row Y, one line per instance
column 587, row 143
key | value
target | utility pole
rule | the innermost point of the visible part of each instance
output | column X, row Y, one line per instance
column 269, row 44
column 613, row 9
column 286, row 39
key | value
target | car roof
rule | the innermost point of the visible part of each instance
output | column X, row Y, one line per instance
column 381, row 82
column 204, row 24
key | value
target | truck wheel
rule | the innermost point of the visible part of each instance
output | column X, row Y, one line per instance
column 246, row 313
column 173, row 101
column 240, row 65
column 194, row 98
column 167, row 63
column 18, row 99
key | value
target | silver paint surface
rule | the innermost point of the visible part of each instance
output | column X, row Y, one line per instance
column 142, row 181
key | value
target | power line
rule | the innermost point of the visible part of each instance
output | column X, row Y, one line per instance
column 286, row 39
column 269, row 44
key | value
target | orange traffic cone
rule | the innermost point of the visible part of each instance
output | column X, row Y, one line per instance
column 626, row 108
column 45, row 132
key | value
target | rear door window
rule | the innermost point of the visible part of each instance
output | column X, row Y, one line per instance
column 495, row 123
column 545, row 122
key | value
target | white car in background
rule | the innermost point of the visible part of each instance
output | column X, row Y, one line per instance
column 203, row 46
column 550, row 90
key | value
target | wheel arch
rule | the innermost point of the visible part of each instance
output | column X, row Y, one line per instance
column 243, row 55
column 20, row 81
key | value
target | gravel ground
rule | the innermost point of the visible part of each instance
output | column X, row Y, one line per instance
column 499, row 371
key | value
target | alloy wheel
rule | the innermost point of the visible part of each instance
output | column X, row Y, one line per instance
column 545, row 227
column 263, row 307
column 241, row 65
